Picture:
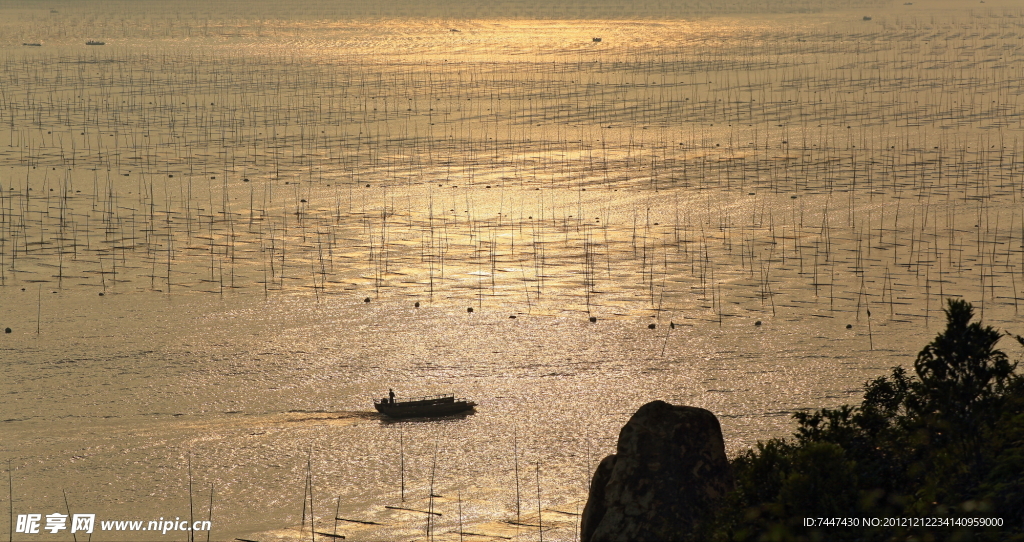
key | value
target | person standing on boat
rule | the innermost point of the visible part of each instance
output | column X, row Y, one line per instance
column 391, row 396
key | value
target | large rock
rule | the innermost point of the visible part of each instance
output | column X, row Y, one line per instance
column 669, row 471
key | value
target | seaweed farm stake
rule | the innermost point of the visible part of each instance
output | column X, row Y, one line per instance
column 430, row 505
column 191, row 510
column 10, row 498
column 337, row 510
column 401, row 457
column 540, row 522
column 515, row 455
column 460, row 515
column 209, row 516
column 68, row 508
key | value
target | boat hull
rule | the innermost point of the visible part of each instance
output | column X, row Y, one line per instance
column 413, row 410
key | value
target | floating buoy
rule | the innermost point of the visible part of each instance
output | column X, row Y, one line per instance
column 101, row 294
column 757, row 323
column 367, row 300
column 651, row 326
column 513, row 317
column 417, row 304
column 469, row 309
column 849, row 326
column 593, row 319
column 7, row 330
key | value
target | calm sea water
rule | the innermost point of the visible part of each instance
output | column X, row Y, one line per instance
column 115, row 393
column 787, row 212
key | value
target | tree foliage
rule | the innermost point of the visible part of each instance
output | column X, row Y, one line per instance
column 961, row 370
column 945, row 442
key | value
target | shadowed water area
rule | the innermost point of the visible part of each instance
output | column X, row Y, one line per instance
column 224, row 231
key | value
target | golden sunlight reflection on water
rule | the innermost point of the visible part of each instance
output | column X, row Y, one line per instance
column 252, row 388
column 232, row 237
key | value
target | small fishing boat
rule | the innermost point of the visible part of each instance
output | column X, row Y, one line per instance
column 419, row 407
column 95, row 42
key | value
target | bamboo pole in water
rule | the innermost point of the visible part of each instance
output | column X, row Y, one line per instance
column 209, row 516
column 191, row 510
column 461, row 532
column 337, row 510
column 540, row 521
column 10, row 499
column 312, row 518
column 67, row 507
column 430, row 500
column 515, row 456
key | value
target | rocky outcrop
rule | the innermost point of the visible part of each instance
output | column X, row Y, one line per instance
column 667, row 474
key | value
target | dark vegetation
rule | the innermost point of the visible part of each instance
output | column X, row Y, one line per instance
column 946, row 443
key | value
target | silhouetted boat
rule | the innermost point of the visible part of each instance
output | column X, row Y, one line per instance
column 435, row 405
column 94, row 42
